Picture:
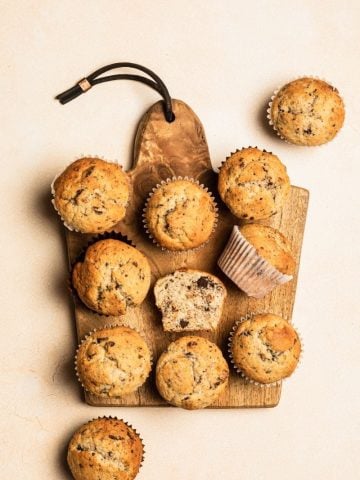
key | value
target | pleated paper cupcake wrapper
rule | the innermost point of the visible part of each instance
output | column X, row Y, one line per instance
column 249, row 271
column 110, row 417
column 95, row 330
column 80, row 258
column 268, row 110
column 249, row 316
column 167, row 181
column 52, row 187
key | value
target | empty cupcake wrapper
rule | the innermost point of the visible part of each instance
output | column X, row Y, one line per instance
column 248, row 270
column 167, row 181
column 276, row 91
column 110, row 417
column 105, row 327
column 249, row 316
column 52, row 187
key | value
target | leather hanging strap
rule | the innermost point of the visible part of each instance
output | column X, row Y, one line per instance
column 94, row 78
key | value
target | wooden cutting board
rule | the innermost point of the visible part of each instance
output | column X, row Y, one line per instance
column 164, row 150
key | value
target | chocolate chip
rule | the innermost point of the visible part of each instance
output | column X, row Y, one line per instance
column 102, row 339
column 184, row 323
column 97, row 211
column 89, row 171
column 246, row 333
column 202, row 282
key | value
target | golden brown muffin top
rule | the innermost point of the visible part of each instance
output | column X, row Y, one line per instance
column 271, row 245
column 307, row 111
column 265, row 348
column 105, row 448
column 113, row 362
column 91, row 195
column 180, row 215
column 191, row 373
column 112, row 276
column 253, row 184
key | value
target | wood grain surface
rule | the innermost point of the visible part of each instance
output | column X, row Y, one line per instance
column 164, row 150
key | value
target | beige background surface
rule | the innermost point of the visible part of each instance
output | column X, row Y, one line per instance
column 224, row 59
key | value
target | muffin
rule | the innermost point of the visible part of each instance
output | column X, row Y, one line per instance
column 271, row 245
column 307, row 111
column 105, row 448
column 112, row 277
column 113, row 362
column 257, row 258
column 253, row 184
column 265, row 348
column 91, row 195
column 191, row 373
column 180, row 215
column 189, row 300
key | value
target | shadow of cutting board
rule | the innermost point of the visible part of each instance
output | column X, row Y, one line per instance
column 164, row 150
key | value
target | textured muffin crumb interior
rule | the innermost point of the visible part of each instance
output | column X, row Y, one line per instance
column 190, row 300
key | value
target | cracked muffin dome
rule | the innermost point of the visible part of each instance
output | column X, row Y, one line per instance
column 180, row 215
column 265, row 348
column 112, row 277
column 307, row 111
column 189, row 300
column 271, row 245
column 91, row 195
column 106, row 449
column 191, row 373
column 113, row 362
column 253, row 184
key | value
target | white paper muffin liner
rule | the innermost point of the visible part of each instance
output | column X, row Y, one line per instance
column 167, row 181
column 110, row 417
column 89, row 334
column 52, row 188
column 249, row 271
column 276, row 91
column 249, row 316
